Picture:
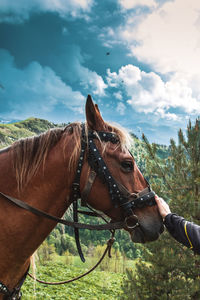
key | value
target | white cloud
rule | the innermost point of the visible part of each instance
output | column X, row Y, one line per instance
column 91, row 80
column 121, row 108
column 35, row 88
column 148, row 93
column 161, row 113
column 107, row 37
column 130, row 4
column 20, row 10
column 118, row 95
column 168, row 38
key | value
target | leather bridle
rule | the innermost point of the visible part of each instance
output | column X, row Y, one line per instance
column 119, row 195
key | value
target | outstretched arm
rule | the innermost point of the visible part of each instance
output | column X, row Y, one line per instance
column 183, row 231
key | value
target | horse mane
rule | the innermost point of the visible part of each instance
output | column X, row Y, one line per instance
column 30, row 153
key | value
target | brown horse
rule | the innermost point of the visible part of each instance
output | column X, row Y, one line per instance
column 40, row 171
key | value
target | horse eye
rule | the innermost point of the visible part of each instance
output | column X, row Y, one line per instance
column 127, row 165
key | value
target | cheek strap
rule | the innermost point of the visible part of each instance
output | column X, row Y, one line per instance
column 86, row 191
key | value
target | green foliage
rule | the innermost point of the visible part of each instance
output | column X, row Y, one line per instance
column 45, row 252
column 62, row 242
column 69, row 258
column 95, row 286
column 93, row 238
column 9, row 133
column 165, row 271
column 117, row 263
column 168, row 270
column 140, row 152
column 35, row 125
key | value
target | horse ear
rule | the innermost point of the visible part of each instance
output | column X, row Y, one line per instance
column 93, row 116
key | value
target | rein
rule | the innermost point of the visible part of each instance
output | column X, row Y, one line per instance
column 107, row 250
column 40, row 213
column 119, row 195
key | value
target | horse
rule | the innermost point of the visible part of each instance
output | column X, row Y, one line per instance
column 41, row 170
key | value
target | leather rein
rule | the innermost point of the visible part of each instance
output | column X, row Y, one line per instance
column 119, row 195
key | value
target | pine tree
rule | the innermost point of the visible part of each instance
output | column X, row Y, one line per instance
column 168, row 270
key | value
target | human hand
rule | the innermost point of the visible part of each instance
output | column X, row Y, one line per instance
column 163, row 207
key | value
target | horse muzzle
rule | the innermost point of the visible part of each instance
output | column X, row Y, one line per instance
column 144, row 234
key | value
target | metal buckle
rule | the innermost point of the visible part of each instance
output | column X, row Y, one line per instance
column 132, row 222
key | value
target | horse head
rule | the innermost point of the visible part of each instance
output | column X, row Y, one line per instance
column 118, row 186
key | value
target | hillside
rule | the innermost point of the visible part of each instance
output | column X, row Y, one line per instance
column 9, row 133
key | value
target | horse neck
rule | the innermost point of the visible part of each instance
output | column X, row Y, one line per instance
column 21, row 231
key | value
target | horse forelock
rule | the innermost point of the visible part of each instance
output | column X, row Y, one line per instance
column 125, row 140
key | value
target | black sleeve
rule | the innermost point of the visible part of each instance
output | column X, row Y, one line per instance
column 185, row 232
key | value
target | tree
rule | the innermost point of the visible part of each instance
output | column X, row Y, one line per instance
column 62, row 242
column 45, row 252
column 168, row 270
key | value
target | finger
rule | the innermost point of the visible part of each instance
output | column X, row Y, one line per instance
column 157, row 198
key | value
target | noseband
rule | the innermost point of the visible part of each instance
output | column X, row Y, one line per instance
column 119, row 195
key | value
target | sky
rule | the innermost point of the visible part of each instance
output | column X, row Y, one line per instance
column 139, row 59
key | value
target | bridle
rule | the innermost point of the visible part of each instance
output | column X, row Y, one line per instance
column 119, row 195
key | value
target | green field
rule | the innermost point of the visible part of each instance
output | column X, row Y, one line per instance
column 99, row 285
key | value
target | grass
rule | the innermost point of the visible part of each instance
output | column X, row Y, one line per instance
column 91, row 261
column 99, row 285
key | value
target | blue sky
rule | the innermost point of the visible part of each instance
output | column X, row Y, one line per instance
column 139, row 59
